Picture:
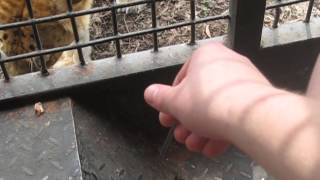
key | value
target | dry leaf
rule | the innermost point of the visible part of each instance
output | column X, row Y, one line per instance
column 38, row 109
column 208, row 33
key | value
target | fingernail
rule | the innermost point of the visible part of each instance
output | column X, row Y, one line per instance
column 151, row 93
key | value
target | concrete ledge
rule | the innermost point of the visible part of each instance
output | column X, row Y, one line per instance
column 291, row 33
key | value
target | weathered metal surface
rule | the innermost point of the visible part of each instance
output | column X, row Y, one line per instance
column 282, row 3
column 246, row 25
column 39, row 147
column 95, row 72
column 119, row 137
column 113, row 38
column 285, row 34
column 67, row 79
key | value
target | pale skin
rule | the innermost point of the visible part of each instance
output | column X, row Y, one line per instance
column 220, row 98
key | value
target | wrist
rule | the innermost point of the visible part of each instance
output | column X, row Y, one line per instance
column 277, row 131
column 253, row 101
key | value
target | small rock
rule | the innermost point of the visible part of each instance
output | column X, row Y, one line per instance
column 38, row 109
column 120, row 172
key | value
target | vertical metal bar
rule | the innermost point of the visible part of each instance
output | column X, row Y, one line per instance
column 154, row 25
column 167, row 142
column 4, row 69
column 44, row 70
column 311, row 3
column 277, row 17
column 115, row 29
column 245, row 27
column 193, row 26
column 75, row 32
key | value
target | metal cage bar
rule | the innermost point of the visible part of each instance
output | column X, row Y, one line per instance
column 36, row 35
column 113, row 38
column 246, row 21
column 154, row 25
column 75, row 33
column 71, row 14
column 277, row 16
column 115, row 30
column 4, row 69
column 193, row 18
column 237, row 9
column 311, row 3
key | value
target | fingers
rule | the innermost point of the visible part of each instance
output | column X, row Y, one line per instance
column 160, row 97
column 166, row 120
column 215, row 148
column 181, row 134
column 195, row 143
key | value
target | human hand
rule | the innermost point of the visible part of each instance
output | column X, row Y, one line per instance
column 207, row 97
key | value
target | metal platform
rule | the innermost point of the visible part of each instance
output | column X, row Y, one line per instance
column 119, row 137
column 39, row 147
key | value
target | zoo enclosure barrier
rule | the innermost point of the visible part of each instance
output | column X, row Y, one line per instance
column 244, row 35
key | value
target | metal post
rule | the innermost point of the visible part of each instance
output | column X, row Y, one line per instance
column 4, row 70
column 154, row 25
column 246, row 25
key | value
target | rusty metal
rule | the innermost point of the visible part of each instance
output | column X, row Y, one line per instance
column 39, row 147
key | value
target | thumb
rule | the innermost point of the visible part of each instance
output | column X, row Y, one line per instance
column 159, row 97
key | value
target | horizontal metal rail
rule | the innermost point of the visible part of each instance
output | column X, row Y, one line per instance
column 112, row 38
column 66, row 80
column 62, row 81
column 71, row 14
column 245, row 21
column 277, row 4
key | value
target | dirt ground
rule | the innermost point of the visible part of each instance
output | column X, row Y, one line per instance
column 168, row 12
column 174, row 11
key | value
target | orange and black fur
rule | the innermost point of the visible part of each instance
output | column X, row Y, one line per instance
column 54, row 34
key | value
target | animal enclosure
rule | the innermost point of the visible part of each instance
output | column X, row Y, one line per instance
column 135, row 44
column 242, row 26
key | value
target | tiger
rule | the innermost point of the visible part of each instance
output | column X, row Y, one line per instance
column 52, row 34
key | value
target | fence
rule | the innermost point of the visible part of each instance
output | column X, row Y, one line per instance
column 244, row 35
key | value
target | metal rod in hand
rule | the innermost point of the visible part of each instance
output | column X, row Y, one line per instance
column 167, row 141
